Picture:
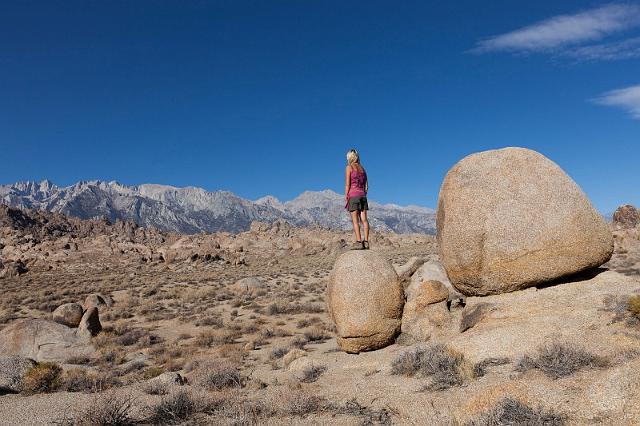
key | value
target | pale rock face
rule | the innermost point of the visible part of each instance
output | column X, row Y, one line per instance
column 12, row 370
column 429, row 271
column 90, row 323
column 407, row 270
column 43, row 340
column 298, row 366
column 97, row 300
column 365, row 300
column 292, row 355
column 68, row 314
column 425, row 313
column 509, row 219
column 249, row 285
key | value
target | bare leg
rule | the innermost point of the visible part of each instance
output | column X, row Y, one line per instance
column 356, row 225
column 365, row 224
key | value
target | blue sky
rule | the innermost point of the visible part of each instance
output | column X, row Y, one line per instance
column 266, row 97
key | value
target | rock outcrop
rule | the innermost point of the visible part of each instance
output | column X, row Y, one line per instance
column 12, row 370
column 43, row 340
column 509, row 219
column 365, row 300
column 98, row 301
column 249, row 285
column 425, row 313
column 90, row 323
column 626, row 217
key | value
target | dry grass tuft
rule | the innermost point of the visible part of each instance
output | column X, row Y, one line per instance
column 174, row 408
column 105, row 410
column 216, row 376
column 301, row 403
column 312, row 373
column 368, row 415
column 79, row 380
column 558, row 360
column 634, row 306
column 279, row 352
column 444, row 366
column 510, row 411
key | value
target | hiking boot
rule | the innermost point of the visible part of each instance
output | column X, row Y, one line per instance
column 365, row 245
column 357, row 246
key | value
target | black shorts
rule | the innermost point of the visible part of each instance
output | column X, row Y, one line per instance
column 358, row 204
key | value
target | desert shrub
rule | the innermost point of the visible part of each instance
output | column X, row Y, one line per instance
column 310, row 308
column 111, row 355
column 444, row 366
column 78, row 360
column 301, row 403
column 106, row 410
column 267, row 333
column 211, row 321
column 368, row 415
column 245, row 411
column 279, row 352
column 210, row 338
column 480, row 369
column 174, row 408
column 558, row 360
column 234, row 353
column 141, row 337
column 510, row 411
column 216, row 376
column 155, row 387
column 151, row 372
column 250, row 329
column 298, row 342
column 312, row 373
column 79, row 380
column 44, row 377
column 315, row 334
column 634, row 305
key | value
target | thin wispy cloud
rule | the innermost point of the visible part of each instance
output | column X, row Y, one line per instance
column 628, row 99
column 560, row 32
column 625, row 49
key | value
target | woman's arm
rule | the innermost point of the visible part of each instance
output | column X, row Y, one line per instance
column 347, row 182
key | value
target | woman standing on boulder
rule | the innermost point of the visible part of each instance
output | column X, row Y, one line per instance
column 355, row 194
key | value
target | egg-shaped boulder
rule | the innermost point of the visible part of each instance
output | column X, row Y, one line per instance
column 365, row 300
column 511, row 218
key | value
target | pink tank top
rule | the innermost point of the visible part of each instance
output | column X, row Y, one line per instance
column 358, row 183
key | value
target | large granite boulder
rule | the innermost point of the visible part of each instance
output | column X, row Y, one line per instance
column 365, row 300
column 90, row 323
column 249, row 285
column 43, row 340
column 509, row 219
column 97, row 300
column 68, row 314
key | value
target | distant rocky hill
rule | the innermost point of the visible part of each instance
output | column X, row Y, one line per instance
column 191, row 210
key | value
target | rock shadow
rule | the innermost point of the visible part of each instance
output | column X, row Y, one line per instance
column 580, row 276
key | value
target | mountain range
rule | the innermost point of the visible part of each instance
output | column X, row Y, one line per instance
column 192, row 210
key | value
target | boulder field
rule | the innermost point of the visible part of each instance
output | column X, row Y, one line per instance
column 507, row 220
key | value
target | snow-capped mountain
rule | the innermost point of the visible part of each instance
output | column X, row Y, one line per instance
column 191, row 210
